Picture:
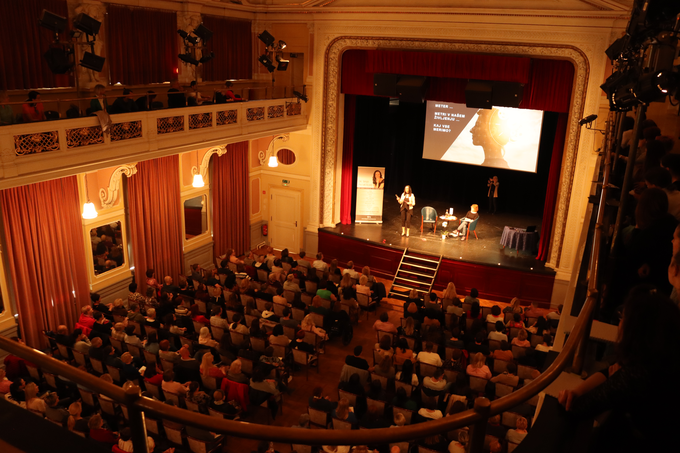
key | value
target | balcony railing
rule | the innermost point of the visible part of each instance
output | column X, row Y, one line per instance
column 71, row 143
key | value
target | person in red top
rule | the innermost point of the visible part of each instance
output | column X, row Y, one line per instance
column 15, row 367
column 31, row 110
column 196, row 315
column 98, row 433
column 516, row 322
column 86, row 319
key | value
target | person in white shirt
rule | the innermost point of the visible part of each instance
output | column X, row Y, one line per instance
column 546, row 346
column 555, row 314
column 429, row 357
column 495, row 314
column 216, row 318
column 499, row 334
column 437, row 382
column 319, row 263
column 517, row 435
column 429, row 411
column 350, row 270
column 302, row 262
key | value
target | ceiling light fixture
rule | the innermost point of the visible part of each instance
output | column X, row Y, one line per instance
column 89, row 212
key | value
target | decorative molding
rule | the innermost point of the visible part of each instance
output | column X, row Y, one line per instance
column 331, row 110
column 205, row 162
column 109, row 195
column 263, row 156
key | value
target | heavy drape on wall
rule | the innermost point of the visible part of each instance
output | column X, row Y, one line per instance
column 232, row 44
column 347, row 161
column 156, row 219
column 142, row 45
column 23, row 43
column 547, row 82
column 553, row 186
column 231, row 220
column 44, row 237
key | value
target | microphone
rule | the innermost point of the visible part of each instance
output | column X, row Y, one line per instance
column 587, row 120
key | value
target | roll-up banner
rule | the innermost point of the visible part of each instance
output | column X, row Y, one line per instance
column 370, row 187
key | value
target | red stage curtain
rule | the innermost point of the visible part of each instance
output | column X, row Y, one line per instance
column 23, row 43
column 232, row 43
column 142, row 45
column 450, row 65
column 231, row 219
column 553, row 186
column 446, row 90
column 156, row 219
column 46, row 254
column 355, row 78
column 550, row 86
column 347, row 160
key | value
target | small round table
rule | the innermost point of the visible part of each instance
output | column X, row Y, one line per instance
column 447, row 218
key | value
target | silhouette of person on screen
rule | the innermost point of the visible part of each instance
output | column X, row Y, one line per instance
column 489, row 133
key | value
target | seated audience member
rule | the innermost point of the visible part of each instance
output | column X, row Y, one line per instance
column 290, row 285
column 516, row 322
column 124, row 103
column 504, row 353
column 555, row 315
column 477, row 367
column 407, row 374
column 111, row 358
column 460, row 444
column 437, row 382
column 509, row 376
column 151, row 319
column 302, row 262
column 456, row 340
column 518, row 434
column 432, row 304
column 302, row 345
column 119, row 309
column 495, row 315
column 384, row 347
column 4, row 382
column 118, row 331
column 237, row 326
column 384, row 368
column 319, row 264
column 521, row 340
column 194, row 96
column 286, row 319
column 429, row 411
column 478, row 344
column 204, row 338
column 135, row 315
column 342, row 412
column 152, row 345
column 125, row 442
column 170, row 385
column 472, row 297
column 131, row 338
column 146, row 102
column 268, row 313
column 540, row 327
column 97, row 305
column 383, row 324
column 356, row 360
column 168, row 286
column 216, row 319
column 53, row 410
column 321, row 403
column 499, row 334
column 166, row 354
column 75, row 420
column 86, row 319
column 96, row 350
column 153, row 375
column 402, row 352
column 101, row 326
column 429, row 356
column 227, row 94
column 98, row 433
column 196, row 315
column 129, row 371
column 82, row 343
column 33, row 110
column 278, row 337
column 546, row 346
column 63, row 337
column 33, row 402
column 176, row 97
column 350, row 270
column 196, row 395
column 235, row 374
column 220, row 405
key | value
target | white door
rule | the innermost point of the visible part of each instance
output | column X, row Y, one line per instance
column 285, row 221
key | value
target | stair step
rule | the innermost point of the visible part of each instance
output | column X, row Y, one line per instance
column 416, row 273
column 417, row 282
column 421, row 259
column 418, row 266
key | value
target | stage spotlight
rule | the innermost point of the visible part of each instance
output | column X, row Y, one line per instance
column 207, row 57
column 623, row 99
column 188, row 59
column 86, row 24
column 92, row 61
column 654, row 86
column 187, row 37
column 266, row 38
column 587, row 120
column 300, row 96
column 58, row 60
column 282, row 44
column 52, row 22
column 203, row 32
column 267, row 62
column 282, row 64
column 182, row 34
column 616, row 49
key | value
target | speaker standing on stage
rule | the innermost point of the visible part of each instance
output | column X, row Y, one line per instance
column 407, row 201
column 492, row 184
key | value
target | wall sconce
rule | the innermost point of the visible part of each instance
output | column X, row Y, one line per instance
column 198, row 179
column 89, row 212
column 269, row 157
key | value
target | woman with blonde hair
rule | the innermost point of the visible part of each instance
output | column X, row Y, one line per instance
column 343, row 413
column 399, row 419
column 33, row 403
column 75, row 420
column 346, row 281
column 205, row 338
column 478, row 368
column 208, row 368
column 517, row 435
column 309, row 325
column 449, row 296
column 235, row 374
column 514, row 307
column 409, row 327
column 362, row 287
column 521, row 339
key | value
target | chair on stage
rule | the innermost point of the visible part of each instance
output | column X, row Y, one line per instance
column 472, row 227
column 428, row 215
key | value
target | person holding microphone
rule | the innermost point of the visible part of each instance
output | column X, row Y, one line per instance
column 407, row 202
column 492, row 184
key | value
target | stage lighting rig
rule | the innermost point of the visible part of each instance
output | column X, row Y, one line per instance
column 301, row 96
column 273, row 52
column 193, row 40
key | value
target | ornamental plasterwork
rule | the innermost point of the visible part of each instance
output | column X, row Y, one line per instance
column 330, row 92
column 205, row 161
column 264, row 156
column 109, row 195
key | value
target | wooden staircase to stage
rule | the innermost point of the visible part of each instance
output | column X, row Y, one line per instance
column 416, row 271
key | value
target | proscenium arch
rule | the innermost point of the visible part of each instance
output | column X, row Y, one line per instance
column 332, row 112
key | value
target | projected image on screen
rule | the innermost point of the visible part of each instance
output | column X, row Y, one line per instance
column 500, row 137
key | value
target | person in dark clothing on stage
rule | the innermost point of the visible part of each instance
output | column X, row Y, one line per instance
column 407, row 202
column 493, row 184
column 465, row 222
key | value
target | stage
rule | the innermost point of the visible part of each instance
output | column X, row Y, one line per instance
column 498, row 274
